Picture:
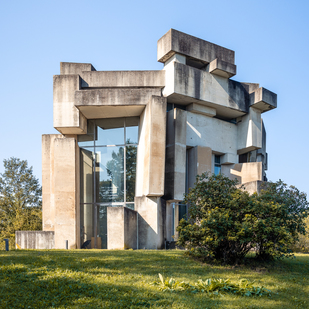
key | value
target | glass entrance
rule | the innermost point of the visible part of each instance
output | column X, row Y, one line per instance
column 108, row 172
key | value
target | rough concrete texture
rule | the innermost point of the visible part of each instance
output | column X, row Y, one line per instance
column 67, row 118
column 253, row 186
column 178, row 42
column 34, row 240
column 185, row 84
column 175, row 180
column 201, row 109
column 249, row 131
column 150, row 222
column 121, row 228
column 60, row 192
column 222, row 68
column 263, row 99
column 244, row 172
column 75, row 68
column 199, row 162
column 151, row 152
column 123, row 79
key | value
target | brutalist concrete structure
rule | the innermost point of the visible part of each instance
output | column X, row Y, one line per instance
column 131, row 143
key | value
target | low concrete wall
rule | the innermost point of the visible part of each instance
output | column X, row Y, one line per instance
column 35, row 239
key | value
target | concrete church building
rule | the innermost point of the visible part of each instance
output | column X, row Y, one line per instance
column 130, row 143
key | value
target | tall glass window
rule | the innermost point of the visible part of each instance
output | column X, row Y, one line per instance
column 108, row 172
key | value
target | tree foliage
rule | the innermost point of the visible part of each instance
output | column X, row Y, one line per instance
column 225, row 222
column 20, row 200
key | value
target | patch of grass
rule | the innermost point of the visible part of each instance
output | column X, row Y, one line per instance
column 123, row 279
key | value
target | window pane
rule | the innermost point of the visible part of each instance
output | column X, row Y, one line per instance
column 110, row 174
column 102, row 226
column 110, row 132
column 86, row 222
column 131, row 153
column 86, row 174
column 217, row 170
column 132, row 135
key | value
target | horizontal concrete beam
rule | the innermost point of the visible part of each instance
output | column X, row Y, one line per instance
column 222, row 68
column 178, row 42
column 123, row 79
column 263, row 99
column 201, row 109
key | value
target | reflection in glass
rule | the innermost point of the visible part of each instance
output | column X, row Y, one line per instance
column 131, row 153
column 110, row 132
column 86, row 140
column 102, row 225
column 110, row 174
column 132, row 135
column 86, row 222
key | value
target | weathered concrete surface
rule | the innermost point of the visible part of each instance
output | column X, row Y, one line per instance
column 175, row 180
column 61, row 189
column 121, row 228
column 244, row 172
column 201, row 109
column 75, row 68
column 151, row 152
column 222, row 68
column 249, row 131
column 114, row 102
column 34, row 240
column 185, row 84
column 48, row 173
column 123, row 79
column 263, row 99
column 253, row 186
column 150, row 222
column 67, row 118
column 199, row 162
column 181, row 43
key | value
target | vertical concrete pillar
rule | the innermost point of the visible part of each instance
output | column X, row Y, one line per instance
column 175, row 172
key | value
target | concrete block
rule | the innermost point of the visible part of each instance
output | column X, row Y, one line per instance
column 249, row 131
column 222, row 68
column 181, row 43
column 75, row 68
column 123, row 79
column 150, row 222
column 67, row 118
column 263, row 99
column 121, row 228
column 201, row 109
column 34, row 240
column 229, row 158
column 253, row 186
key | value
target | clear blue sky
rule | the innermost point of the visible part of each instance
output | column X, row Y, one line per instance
column 270, row 39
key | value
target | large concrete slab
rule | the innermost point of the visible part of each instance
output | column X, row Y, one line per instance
column 34, row 240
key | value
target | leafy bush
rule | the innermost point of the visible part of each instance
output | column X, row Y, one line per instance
column 225, row 222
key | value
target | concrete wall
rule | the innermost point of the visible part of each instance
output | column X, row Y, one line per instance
column 150, row 222
column 151, row 150
column 34, row 240
column 121, row 228
column 61, row 212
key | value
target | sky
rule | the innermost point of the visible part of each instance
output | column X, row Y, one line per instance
column 270, row 40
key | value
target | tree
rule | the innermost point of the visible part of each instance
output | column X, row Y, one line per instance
column 225, row 222
column 20, row 199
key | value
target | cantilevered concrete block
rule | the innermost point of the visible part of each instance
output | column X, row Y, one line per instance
column 222, row 68
column 181, row 43
column 67, row 118
column 263, row 99
column 249, row 132
column 244, row 172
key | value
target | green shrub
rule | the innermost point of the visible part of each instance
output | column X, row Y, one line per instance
column 225, row 222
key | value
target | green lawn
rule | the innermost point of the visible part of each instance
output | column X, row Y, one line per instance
column 122, row 279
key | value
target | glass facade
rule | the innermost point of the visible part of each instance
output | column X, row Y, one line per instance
column 108, row 172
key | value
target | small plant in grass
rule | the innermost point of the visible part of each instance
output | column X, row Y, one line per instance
column 213, row 287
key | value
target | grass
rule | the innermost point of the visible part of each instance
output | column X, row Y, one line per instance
column 122, row 279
